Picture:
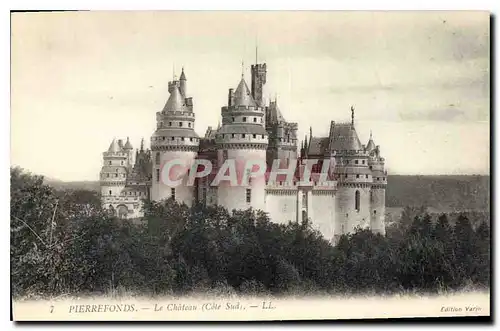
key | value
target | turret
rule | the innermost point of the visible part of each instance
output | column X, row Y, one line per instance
column 114, row 170
column 258, row 81
column 242, row 137
column 174, row 139
column 183, row 84
column 129, row 149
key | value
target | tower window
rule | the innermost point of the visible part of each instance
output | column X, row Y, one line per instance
column 161, row 124
column 172, row 193
column 356, row 200
column 163, row 138
column 122, row 162
column 233, row 119
column 254, row 135
column 182, row 138
column 157, row 175
column 363, row 161
column 249, row 195
column 189, row 124
column 366, row 176
column 255, row 119
column 180, row 124
column 357, row 176
column 157, row 158
column 345, row 175
column 244, row 119
column 169, row 123
column 110, row 193
column 191, row 139
column 109, row 162
column 355, row 161
column 262, row 136
column 107, row 175
column 173, row 138
column 243, row 135
column 232, row 135
column 374, row 213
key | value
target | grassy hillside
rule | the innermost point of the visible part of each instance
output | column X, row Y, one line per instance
column 440, row 193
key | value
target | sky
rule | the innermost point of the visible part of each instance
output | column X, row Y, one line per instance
column 420, row 81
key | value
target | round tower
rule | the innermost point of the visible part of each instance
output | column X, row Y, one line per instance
column 174, row 147
column 113, row 174
column 242, row 139
column 353, row 179
column 379, row 184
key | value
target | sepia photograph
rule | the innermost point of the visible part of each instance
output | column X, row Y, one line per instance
column 250, row 165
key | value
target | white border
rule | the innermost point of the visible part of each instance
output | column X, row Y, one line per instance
column 490, row 5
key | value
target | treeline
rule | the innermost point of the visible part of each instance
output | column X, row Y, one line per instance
column 62, row 242
column 445, row 192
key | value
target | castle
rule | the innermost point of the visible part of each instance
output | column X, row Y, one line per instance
column 353, row 196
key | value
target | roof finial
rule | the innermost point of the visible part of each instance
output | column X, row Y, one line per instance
column 256, row 54
column 242, row 69
column 352, row 115
column 310, row 132
column 370, row 134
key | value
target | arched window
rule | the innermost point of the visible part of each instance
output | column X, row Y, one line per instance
column 157, row 158
column 356, row 200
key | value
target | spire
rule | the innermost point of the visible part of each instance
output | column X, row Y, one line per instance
column 142, row 145
column 175, row 102
column 352, row 116
column 113, row 148
column 242, row 69
column 183, row 76
column 310, row 132
column 128, row 145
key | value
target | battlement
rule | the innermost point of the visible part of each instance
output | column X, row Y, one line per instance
column 232, row 109
column 114, row 155
column 172, row 114
column 350, row 153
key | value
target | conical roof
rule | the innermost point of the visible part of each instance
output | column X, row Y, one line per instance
column 183, row 76
column 175, row 102
column 128, row 145
column 344, row 137
column 370, row 146
column 275, row 114
column 242, row 95
column 114, row 148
